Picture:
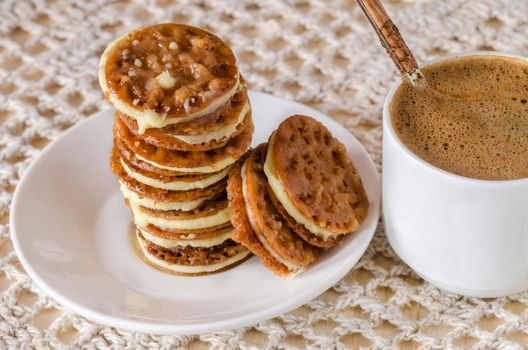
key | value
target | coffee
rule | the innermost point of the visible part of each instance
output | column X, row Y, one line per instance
column 471, row 119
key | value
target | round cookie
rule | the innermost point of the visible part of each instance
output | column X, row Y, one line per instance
column 202, row 134
column 175, row 142
column 186, row 162
column 172, row 183
column 183, row 235
column 193, row 261
column 167, row 74
column 161, row 195
column 203, row 240
column 270, row 228
column 313, row 178
column 212, row 213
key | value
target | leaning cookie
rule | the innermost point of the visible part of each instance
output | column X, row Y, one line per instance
column 259, row 226
column 314, row 181
column 243, row 232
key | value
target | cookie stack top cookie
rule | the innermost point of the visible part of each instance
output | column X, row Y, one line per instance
column 168, row 74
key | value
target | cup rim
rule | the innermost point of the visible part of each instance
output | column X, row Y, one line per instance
column 387, row 124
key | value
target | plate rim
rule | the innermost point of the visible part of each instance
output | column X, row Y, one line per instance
column 154, row 327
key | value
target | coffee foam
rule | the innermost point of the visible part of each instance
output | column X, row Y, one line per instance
column 471, row 120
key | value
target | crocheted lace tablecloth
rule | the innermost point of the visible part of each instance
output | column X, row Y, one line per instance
column 321, row 53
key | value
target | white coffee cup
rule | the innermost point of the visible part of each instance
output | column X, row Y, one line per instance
column 464, row 235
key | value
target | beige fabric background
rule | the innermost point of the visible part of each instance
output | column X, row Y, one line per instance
column 318, row 52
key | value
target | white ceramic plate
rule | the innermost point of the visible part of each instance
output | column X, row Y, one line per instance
column 70, row 229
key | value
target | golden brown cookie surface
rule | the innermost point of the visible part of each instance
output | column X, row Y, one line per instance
column 299, row 229
column 181, row 260
column 208, row 208
column 317, row 175
column 172, row 69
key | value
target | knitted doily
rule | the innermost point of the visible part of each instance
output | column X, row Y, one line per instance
column 321, row 53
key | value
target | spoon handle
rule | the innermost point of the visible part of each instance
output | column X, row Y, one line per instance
column 391, row 39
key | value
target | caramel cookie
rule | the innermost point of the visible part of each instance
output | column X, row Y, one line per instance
column 172, row 183
column 168, row 73
column 157, row 194
column 213, row 238
column 205, row 133
column 212, row 213
column 314, row 179
column 185, row 162
column 127, row 154
column 193, row 261
column 187, row 235
column 209, row 208
column 267, row 224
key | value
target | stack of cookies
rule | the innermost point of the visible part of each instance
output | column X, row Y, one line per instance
column 183, row 119
column 295, row 195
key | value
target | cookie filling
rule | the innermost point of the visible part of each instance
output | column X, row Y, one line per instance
column 149, row 118
column 174, row 185
column 150, row 203
column 213, row 168
column 142, row 219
